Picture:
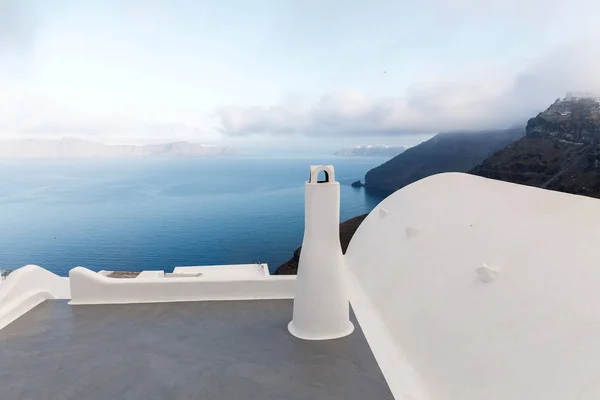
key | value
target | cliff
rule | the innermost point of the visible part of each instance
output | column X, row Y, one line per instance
column 347, row 229
column 559, row 152
column 445, row 152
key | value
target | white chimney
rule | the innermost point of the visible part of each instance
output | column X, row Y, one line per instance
column 321, row 305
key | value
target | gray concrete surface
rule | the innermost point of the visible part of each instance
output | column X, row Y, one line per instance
column 204, row 350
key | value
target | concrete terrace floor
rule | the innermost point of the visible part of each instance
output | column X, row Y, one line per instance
column 201, row 350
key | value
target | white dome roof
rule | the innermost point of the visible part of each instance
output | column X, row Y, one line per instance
column 490, row 289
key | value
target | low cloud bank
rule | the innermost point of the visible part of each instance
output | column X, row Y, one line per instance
column 428, row 107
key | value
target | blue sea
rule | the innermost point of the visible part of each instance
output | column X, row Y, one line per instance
column 136, row 214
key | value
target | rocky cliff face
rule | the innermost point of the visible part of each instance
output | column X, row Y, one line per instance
column 446, row 152
column 559, row 152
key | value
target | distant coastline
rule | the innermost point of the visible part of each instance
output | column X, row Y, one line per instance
column 76, row 148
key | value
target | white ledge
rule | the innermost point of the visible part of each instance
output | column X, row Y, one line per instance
column 88, row 287
column 27, row 287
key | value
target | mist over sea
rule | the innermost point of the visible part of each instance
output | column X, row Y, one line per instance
column 154, row 213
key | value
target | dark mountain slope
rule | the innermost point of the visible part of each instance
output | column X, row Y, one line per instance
column 559, row 152
column 445, row 152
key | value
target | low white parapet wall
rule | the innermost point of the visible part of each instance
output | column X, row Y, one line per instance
column 149, row 275
column 227, row 272
column 89, row 287
column 27, row 287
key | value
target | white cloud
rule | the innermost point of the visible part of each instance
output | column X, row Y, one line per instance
column 51, row 85
column 26, row 112
column 487, row 101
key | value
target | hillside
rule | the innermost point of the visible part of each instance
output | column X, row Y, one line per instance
column 445, row 152
column 559, row 152
column 76, row 148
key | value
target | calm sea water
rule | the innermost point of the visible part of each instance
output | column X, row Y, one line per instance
column 161, row 213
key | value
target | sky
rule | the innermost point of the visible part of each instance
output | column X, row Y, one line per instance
column 287, row 73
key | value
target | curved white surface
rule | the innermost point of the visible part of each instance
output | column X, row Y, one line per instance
column 404, row 382
column 321, row 303
column 490, row 290
column 89, row 287
column 27, row 287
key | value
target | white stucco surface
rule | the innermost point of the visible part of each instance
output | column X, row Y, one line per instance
column 402, row 379
column 148, row 275
column 232, row 271
column 321, row 302
column 489, row 290
column 27, row 287
column 89, row 287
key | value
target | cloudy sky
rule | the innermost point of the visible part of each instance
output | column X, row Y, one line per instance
column 277, row 72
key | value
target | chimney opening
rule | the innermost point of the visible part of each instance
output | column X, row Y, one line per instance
column 323, row 178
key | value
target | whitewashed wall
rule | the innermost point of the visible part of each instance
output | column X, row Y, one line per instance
column 226, row 272
column 489, row 290
column 88, row 287
column 27, row 287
